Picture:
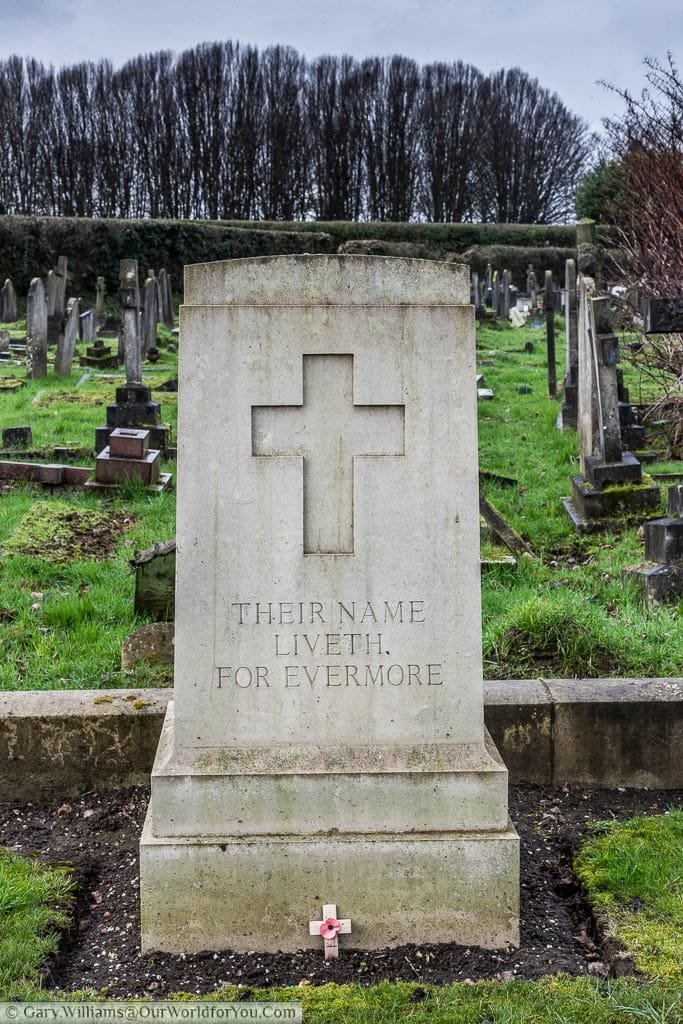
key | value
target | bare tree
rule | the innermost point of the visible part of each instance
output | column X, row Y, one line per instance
column 648, row 143
column 392, row 137
column 533, row 153
column 452, row 128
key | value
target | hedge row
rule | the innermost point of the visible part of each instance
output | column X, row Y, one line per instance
column 29, row 246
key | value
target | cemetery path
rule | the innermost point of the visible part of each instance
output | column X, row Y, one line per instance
column 98, row 835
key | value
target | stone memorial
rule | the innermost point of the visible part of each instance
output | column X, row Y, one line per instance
column 150, row 314
column 67, row 342
column 8, row 303
column 660, row 577
column 326, row 743
column 36, row 330
column 569, row 412
column 165, row 299
column 134, row 406
column 100, row 295
column 611, row 484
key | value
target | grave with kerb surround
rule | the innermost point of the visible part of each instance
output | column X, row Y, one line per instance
column 326, row 742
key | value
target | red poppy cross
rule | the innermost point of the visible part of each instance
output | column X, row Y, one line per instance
column 329, row 928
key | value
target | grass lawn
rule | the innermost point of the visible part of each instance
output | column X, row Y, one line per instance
column 566, row 612
column 633, row 872
column 33, row 904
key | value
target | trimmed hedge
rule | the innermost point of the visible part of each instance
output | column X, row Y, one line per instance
column 29, row 246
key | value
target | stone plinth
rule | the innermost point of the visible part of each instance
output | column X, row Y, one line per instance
column 128, row 457
column 327, row 742
column 134, row 408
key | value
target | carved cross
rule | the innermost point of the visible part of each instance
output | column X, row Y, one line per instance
column 328, row 431
column 329, row 928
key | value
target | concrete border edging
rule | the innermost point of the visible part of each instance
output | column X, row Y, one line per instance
column 595, row 732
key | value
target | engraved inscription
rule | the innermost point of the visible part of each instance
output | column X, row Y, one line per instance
column 300, row 655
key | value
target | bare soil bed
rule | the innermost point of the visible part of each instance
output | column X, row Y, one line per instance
column 98, row 835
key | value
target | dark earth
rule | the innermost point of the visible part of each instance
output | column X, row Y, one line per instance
column 98, row 834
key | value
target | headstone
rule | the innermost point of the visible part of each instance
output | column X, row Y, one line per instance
column 129, row 297
column 327, row 725
column 505, row 294
column 86, row 327
column 611, row 484
column 155, row 580
column 549, row 307
column 61, row 276
column 36, row 330
column 67, row 343
column 165, row 299
column 495, row 293
column 8, row 303
column 51, row 292
column 150, row 315
column 474, row 289
column 532, row 285
column 571, row 375
column 100, row 293
column 17, row 437
column 661, row 576
column 588, row 262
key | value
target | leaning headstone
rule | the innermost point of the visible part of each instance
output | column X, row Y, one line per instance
column 165, row 299
column 8, row 303
column 611, row 484
column 569, row 412
column 327, row 724
column 36, row 330
column 67, row 343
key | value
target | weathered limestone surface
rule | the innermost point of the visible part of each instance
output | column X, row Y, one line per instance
column 328, row 714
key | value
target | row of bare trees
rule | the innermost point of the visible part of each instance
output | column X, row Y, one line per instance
column 224, row 131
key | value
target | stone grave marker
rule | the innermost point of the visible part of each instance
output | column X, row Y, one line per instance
column 67, row 342
column 8, row 303
column 611, row 485
column 548, row 305
column 100, row 294
column 661, row 576
column 165, row 299
column 326, row 739
column 571, row 375
column 150, row 314
column 36, row 330
column 86, row 326
column 134, row 407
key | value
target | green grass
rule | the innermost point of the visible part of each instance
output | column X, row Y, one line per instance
column 565, row 613
column 70, row 635
column 556, row 1000
column 33, row 904
column 633, row 872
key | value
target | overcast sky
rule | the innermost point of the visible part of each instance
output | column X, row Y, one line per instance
column 567, row 44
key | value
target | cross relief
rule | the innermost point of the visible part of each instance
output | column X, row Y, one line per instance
column 328, row 431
